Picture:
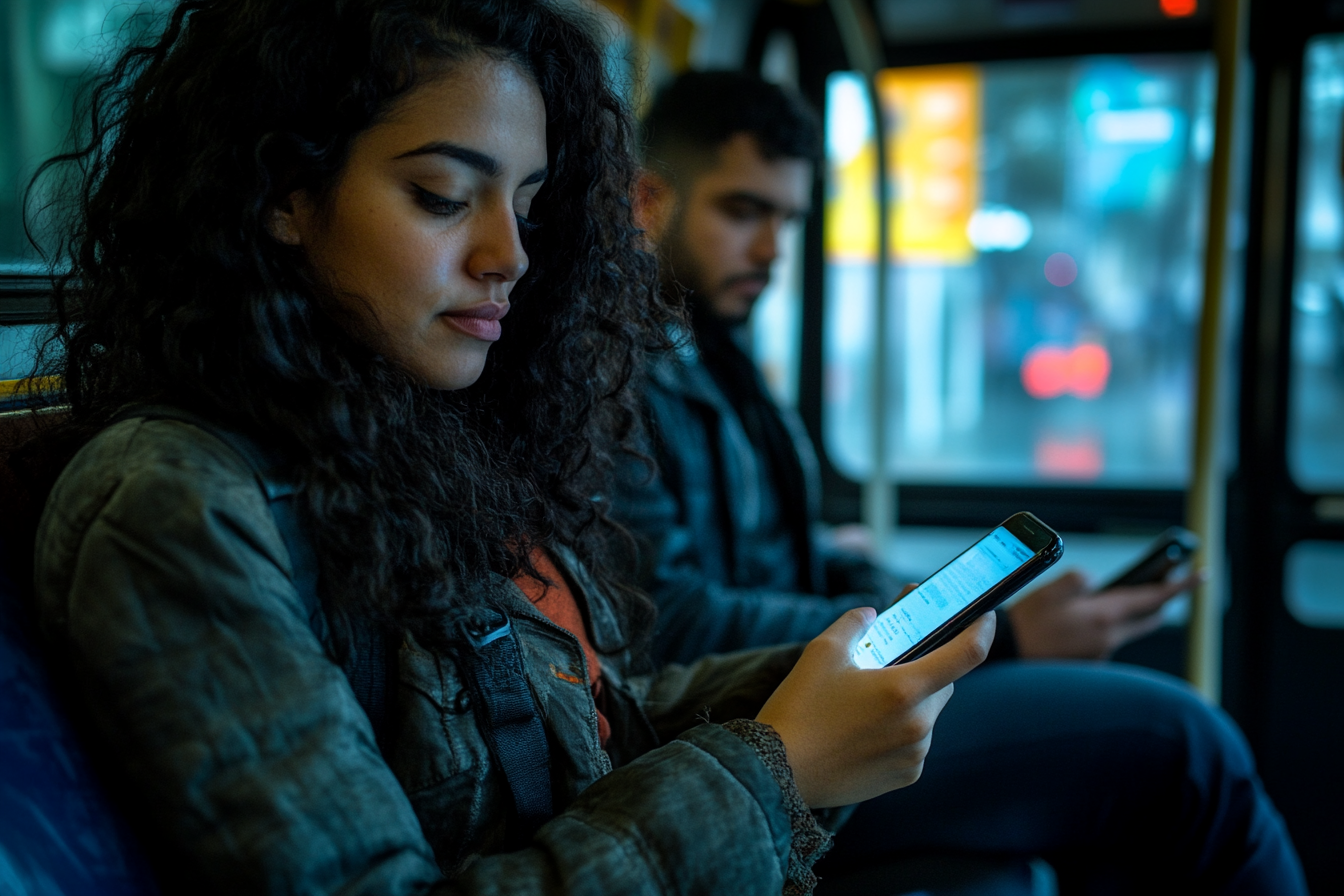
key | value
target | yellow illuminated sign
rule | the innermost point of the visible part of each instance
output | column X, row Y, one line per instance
column 851, row 207
column 933, row 117
column 934, row 122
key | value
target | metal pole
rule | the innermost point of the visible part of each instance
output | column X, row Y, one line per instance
column 1205, row 500
column 863, row 47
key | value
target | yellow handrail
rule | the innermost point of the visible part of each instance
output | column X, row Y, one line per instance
column 29, row 386
column 1205, row 500
column 863, row 51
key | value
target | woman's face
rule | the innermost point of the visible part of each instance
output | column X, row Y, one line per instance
column 419, row 238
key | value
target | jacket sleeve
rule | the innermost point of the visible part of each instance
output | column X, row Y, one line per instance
column 170, row 601
column 641, row 830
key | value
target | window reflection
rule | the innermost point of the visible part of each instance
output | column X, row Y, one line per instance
column 1047, row 233
column 52, row 48
column 1312, row 574
column 1316, row 402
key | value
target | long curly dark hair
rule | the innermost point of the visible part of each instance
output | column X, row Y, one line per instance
column 175, row 293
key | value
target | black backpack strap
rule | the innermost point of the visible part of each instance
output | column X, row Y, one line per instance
column 366, row 664
column 509, row 719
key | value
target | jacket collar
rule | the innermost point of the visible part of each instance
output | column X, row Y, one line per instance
column 683, row 372
column 604, row 628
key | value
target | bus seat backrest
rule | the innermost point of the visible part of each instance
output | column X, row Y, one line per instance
column 59, row 835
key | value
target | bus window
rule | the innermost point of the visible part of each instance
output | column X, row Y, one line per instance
column 1316, row 401
column 1047, row 239
column 52, row 48
column 776, row 322
column 18, row 344
column 1312, row 573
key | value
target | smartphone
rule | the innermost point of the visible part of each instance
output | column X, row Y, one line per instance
column 982, row 577
column 1172, row 548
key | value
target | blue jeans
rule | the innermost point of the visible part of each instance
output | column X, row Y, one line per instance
column 1124, row 780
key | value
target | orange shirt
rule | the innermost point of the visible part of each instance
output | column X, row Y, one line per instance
column 557, row 603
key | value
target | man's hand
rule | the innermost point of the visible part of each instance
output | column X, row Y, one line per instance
column 1065, row 619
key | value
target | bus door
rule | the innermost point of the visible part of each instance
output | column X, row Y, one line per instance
column 1043, row 170
column 1284, row 672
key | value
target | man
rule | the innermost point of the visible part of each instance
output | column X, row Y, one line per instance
column 741, row 558
column 1116, row 776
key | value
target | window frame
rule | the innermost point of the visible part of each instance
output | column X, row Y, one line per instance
column 25, row 299
column 1110, row 508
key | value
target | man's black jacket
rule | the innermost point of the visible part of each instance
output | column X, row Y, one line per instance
column 712, row 562
column 708, row 557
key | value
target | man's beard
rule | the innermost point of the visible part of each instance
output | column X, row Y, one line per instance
column 679, row 271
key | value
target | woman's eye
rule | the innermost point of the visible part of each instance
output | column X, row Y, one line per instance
column 525, row 226
column 436, row 204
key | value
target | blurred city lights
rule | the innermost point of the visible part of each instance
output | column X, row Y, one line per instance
column 1068, row 458
column 1133, row 125
column 1061, row 269
column 1049, row 371
column 998, row 228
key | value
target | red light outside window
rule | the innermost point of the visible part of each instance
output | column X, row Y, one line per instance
column 1179, row 9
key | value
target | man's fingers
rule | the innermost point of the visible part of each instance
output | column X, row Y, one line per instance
column 1193, row 580
column 1143, row 600
column 1133, row 629
column 1071, row 584
column 941, row 667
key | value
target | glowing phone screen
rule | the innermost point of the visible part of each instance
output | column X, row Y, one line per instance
column 940, row 597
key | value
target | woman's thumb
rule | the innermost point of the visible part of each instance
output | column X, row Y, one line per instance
column 852, row 626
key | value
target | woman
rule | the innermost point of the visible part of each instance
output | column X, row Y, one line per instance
column 387, row 245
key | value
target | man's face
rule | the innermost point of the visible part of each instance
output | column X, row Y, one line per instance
column 729, row 223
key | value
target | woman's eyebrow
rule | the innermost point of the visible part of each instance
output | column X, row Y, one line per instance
column 487, row 165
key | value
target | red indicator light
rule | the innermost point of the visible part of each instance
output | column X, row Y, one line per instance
column 1049, row 371
column 1045, row 372
column 1179, row 9
column 1089, row 370
column 1068, row 459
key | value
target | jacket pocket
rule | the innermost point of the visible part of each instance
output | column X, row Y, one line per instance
column 439, row 756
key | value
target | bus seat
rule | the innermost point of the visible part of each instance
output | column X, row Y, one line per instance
column 59, row 835
column 945, row 875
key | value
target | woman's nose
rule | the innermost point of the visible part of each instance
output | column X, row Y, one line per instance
column 497, row 250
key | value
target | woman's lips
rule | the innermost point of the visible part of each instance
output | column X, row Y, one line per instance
column 480, row 321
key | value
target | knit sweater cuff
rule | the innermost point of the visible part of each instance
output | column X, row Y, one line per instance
column 810, row 840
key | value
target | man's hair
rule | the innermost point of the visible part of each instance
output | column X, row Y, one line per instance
column 694, row 115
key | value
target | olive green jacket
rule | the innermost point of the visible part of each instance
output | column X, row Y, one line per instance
column 165, row 592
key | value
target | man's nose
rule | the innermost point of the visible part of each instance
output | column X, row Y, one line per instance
column 765, row 245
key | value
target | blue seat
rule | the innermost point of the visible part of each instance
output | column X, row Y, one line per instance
column 59, row 835
column 945, row 875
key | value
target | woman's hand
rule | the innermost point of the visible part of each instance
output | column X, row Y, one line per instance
column 1066, row 619
column 852, row 734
